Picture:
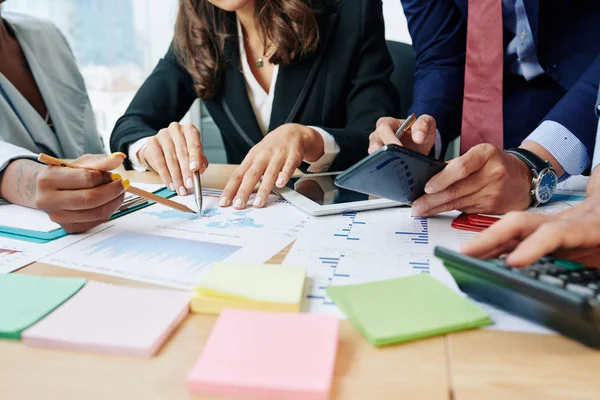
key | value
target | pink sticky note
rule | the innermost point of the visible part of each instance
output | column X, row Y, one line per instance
column 268, row 356
column 112, row 319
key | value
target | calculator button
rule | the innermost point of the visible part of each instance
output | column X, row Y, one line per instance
column 595, row 286
column 551, row 269
column 583, row 290
column 570, row 265
column 499, row 262
column 553, row 280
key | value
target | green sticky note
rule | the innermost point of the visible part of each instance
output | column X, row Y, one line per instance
column 24, row 300
column 405, row 309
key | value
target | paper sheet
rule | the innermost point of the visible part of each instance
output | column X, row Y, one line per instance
column 267, row 355
column 112, row 319
column 15, row 254
column 404, row 309
column 446, row 236
column 166, row 247
column 363, row 247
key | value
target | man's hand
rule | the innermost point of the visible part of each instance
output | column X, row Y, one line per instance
column 77, row 199
column 576, row 228
column 484, row 180
column 420, row 138
column 274, row 160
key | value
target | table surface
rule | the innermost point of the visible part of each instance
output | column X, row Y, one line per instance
column 469, row 365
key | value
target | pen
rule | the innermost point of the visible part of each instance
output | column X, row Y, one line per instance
column 57, row 162
column 406, row 125
column 198, row 191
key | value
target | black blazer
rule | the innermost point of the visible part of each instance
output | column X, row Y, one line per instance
column 343, row 87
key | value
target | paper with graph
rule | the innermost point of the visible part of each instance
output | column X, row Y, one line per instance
column 16, row 254
column 362, row 247
column 166, row 247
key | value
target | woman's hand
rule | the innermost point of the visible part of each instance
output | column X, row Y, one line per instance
column 420, row 138
column 274, row 160
column 175, row 153
column 77, row 199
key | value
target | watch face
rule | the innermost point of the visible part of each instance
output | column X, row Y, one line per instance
column 546, row 185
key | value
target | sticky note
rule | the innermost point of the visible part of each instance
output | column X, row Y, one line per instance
column 268, row 356
column 112, row 319
column 24, row 300
column 266, row 287
column 404, row 309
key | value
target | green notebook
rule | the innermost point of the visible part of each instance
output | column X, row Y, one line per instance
column 24, row 300
column 404, row 309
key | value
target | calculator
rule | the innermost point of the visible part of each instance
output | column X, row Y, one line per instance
column 560, row 294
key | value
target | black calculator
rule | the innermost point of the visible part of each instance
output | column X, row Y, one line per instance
column 560, row 294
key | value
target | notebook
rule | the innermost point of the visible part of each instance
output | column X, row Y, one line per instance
column 25, row 299
column 268, row 355
column 112, row 319
column 30, row 225
column 266, row 287
column 404, row 309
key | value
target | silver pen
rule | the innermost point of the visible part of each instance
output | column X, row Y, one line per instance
column 198, row 191
column 406, row 125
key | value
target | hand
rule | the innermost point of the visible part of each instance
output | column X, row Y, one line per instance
column 420, row 138
column 576, row 228
column 593, row 186
column 175, row 153
column 80, row 199
column 485, row 180
column 274, row 160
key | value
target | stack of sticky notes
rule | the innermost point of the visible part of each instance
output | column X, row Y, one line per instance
column 264, row 287
column 112, row 319
column 268, row 355
column 404, row 309
column 24, row 300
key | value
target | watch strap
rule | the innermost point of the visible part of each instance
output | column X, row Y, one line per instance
column 532, row 160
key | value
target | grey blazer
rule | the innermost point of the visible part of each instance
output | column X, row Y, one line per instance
column 23, row 132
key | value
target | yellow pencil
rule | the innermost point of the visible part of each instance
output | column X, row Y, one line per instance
column 57, row 162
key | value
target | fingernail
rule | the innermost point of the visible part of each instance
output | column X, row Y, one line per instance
column 182, row 191
column 172, row 187
column 189, row 183
column 223, row 201
column 257, row 201
column 428, row 188
column 279, row 182
column 119, row 154
column 415, row 211
column 116, row 177
column 193, row 166
column 125, row 183
column 237, row 203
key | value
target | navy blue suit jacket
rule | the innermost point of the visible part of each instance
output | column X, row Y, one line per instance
column 567, row 39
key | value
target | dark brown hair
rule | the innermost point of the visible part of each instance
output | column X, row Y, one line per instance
column 201, row 32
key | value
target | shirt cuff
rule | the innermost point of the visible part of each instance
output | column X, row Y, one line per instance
column 132, row 153
column 331, row 150
column 563, row 145
column 10, row 153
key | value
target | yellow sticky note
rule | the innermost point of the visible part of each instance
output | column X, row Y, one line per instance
column 266, row 287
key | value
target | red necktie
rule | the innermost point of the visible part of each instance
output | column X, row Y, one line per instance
column 482, row 105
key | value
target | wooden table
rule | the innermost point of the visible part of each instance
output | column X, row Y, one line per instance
column 470, row 365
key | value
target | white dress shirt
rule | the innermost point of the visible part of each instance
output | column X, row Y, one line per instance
column 262, row 105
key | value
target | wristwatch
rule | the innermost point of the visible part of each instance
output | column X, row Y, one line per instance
column 544, row 179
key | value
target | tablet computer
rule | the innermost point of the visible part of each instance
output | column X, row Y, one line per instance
column 317, row 195
column 392, row 172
